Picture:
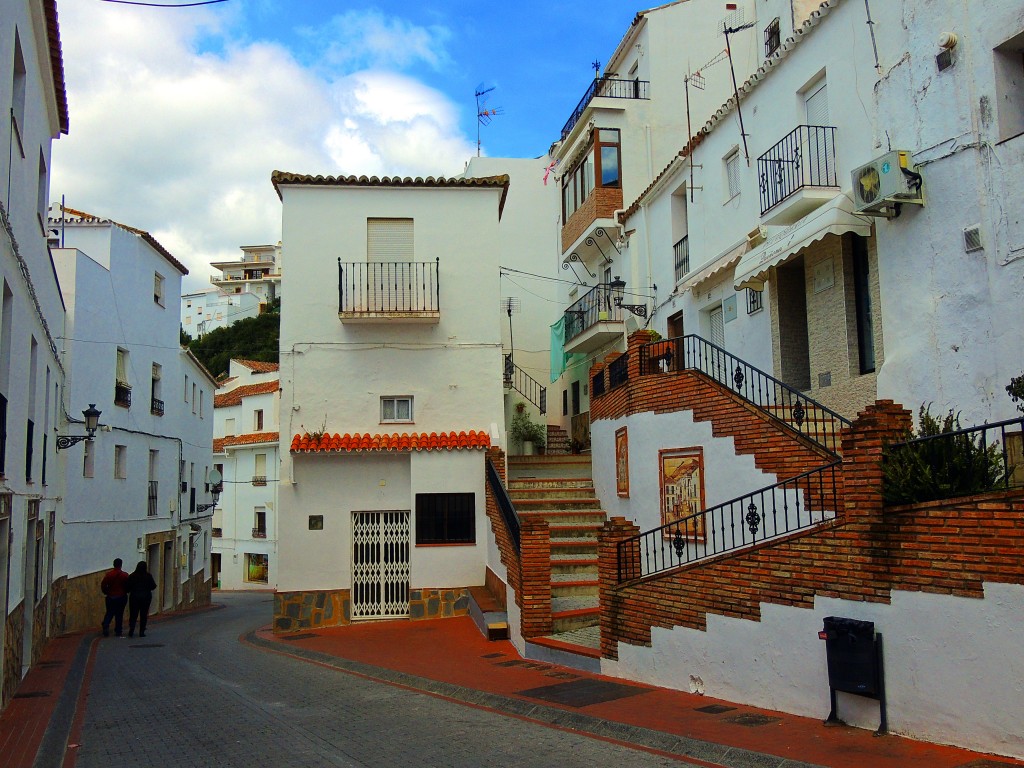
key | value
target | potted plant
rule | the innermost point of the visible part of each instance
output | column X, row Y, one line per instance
column 528, row 433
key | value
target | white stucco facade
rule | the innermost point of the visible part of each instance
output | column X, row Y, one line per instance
column 258, row 272
column 208, row 310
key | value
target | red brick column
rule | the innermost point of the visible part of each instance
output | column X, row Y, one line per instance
column 612, row 604
column 535, row 579
column 863, row 443
column 636, row 340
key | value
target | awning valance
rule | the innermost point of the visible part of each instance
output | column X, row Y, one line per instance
column 836, row 217
column 716, row 267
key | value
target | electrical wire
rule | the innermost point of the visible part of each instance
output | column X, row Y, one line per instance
column 165, row 5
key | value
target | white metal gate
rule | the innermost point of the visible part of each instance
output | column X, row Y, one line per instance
column 380, row 565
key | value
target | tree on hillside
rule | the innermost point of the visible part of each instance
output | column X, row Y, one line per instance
column 254, row 338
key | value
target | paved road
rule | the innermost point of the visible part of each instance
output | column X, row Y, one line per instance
column 191, row 694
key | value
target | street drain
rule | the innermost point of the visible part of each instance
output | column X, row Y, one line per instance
column 752, row 721
column 561, row 675
column 302, row 636
column 526, row 664
column 492, row 655
column 146, row 645
column 714, row 709
column 32, row 695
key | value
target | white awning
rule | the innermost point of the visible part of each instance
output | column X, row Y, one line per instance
column 836, row 217
column 719, row 265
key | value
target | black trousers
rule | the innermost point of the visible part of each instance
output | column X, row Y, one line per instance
column 138, row 610
column 115, row 611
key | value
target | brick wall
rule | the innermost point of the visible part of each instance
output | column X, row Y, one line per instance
column 602, row 204
column 950, row 547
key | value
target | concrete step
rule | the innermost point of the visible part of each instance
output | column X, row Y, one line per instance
column 566, row 516
column 573, row 613
column 577, row 547
column 531, row 492
column 485, row 611
column 553, row 505
column 582, row 568
column 550, row 483
column 578, row 588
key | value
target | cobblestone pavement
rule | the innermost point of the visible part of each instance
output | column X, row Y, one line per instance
column 191, row 694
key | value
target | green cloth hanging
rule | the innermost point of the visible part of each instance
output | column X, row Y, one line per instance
column 558, row 355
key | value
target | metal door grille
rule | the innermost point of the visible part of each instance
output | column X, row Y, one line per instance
column 380, row 565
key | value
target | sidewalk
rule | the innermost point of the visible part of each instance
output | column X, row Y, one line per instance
column 450, row 658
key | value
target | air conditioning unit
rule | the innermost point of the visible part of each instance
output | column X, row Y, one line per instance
column 884, row 184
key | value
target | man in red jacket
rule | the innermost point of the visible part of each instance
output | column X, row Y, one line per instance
column 115, row 587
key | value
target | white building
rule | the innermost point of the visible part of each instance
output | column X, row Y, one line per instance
column 391, row 387
column 206, row 311
column 258, row 272
column 245, row 446
column 34, row 105
column 136, row 490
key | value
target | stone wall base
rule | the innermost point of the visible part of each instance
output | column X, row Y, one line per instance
column 13, row 644
column 294, row 611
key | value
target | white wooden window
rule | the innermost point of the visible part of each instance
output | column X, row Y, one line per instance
column 122, row 366
column 732, row 173
column 257, row 420
column 229, row 427
column 260, row 465
column 395, row 409
column 158, row 288
column 389, row 240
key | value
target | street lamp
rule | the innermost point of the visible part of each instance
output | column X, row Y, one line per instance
column 618, row 289
column 215, row 489
column 92, row 421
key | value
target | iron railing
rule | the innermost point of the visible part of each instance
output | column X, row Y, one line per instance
column 597, row 384
column 954, row 464
column 681, row 253
column 609, row 88
column 122, row 394
column 151, row 506
column 787, row 405
column 259, row 479
column 523, row 383
column 259, row 533
column 793, row 505
column 3, row 434
column 156, row 406
column 395, row 287
column 805, row 157
column 594, row 306
column 772, row 37
column 505, row 506
column 618, row 371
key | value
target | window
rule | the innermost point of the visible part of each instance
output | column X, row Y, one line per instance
column 154, row 464
column 18, row 95
column 256, row 568
column 1009, row 82
column 121, row 375
column 732, row 173
column 601, row 167
column 88, row 459
column 158, row 288
column 445, row 518
column 259, row 476
column 186, row 387
column 120, row 462
column 156, row 404
column 202, row 398
column 772, row 37
column 259, row 523
column 862, row 300
column 257, row 420
column 193, row 397
column 395, row 409
column 229, row 427
column 674, row 325
column 565, row 402
column 755, row 301
column 389, row 240
column 122, row 389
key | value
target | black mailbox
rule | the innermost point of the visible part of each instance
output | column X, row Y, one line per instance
column 853, row 652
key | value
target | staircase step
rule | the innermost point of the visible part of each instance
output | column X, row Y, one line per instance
column 561, row 492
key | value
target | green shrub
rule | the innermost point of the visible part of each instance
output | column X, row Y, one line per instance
column 522, row 428
column 942, row 468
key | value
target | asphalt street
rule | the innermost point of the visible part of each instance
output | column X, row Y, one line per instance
column 192, row 693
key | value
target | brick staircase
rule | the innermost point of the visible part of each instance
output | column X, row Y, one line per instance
column 558, row 442
column 560, row 489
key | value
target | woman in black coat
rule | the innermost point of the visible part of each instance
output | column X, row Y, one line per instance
column 140, row 595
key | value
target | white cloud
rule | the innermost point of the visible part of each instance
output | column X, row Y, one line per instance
column 176, row 127
column 370, row 40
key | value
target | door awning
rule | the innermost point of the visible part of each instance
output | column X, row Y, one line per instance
column 836, row 217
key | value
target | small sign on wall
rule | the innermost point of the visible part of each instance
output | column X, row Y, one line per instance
column 824, row 276
column 729, row 311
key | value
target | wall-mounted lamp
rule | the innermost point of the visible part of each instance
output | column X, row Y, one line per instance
column 618, row 289
column 215, row 489
column 92, row 421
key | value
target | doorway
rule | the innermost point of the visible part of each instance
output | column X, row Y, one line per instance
column 153, row 566
column 215, row 569
column 794, row 363
column 167, row 582
column 380, row 565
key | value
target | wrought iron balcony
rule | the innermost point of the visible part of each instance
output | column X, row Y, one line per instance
column 406, row 290
column 259, row 533
column 806, row 157
column 156, row 406
column 259, row 479
column 681, row 254
column 122, row 394
column 610, row 88
column 595, row 306
column 618, row 371
column 151, row 509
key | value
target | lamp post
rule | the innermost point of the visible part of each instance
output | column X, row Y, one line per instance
column 92, row 421
column 215, row 489
column 618, row 289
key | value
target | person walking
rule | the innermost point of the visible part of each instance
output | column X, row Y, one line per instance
column 114, row 587
column 140, row 595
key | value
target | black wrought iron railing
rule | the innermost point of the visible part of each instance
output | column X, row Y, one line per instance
column 787, row 405
column 395, row 287
column 122, row 394
column 156, row 407
column 793, row 505
column 681, row 254
column 618, row 371
column 610, row 88
column 805, row 157
column 259, row 533
column 955, row 464
column 505, row 506
column 151, row 506
column 594, row 306
column 259, row 479
column 523, row 383
column 3, row 434
column 597, row 384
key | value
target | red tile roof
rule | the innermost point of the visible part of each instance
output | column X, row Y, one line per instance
column 253, row 438
column 257, row 366
column 420, row 441
column 234, row 397
column 57, row 63
column 88, row 218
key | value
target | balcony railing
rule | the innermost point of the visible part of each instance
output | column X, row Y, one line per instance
column 217, row 533
column 259, row 479
column 388, row 287
column 806, row 157
column 595, row 306
column 259, row 533
column 610, row 88
column 681, row 254
column 156, row 406
column 151, row 509
column 122, row 394
column 618, row 371
column 597, row 384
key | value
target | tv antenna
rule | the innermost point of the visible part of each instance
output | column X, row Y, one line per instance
column 484, row 114
column 511, row 306
column 727, row 30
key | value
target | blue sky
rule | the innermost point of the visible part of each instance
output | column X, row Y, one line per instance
column 178, row 116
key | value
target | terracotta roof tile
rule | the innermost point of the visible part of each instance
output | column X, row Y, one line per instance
column 88, row 218
column 234, row 397
column 258, row 366
column 57, row 63
column 253, row 438
column 420, row 441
